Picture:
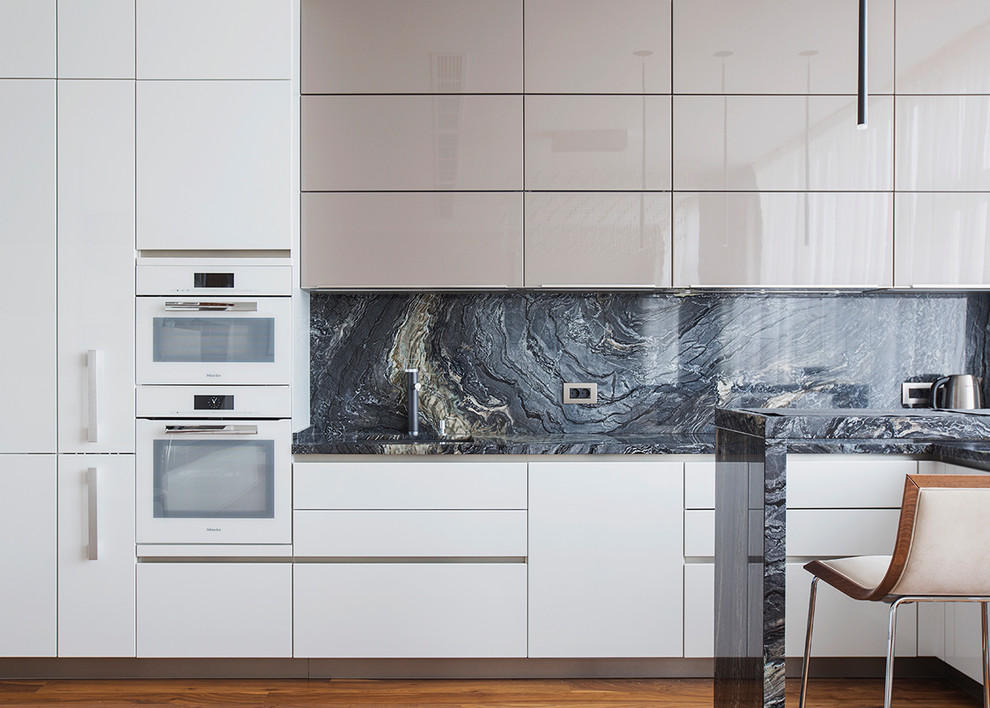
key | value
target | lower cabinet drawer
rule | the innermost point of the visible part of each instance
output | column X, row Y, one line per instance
column 424, row 610
column 214, row 610
column 410, row 533
column 818, row 533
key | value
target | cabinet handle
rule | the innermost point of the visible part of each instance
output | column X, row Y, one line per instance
column 93, row 377
column 212, row 306
column 211, row 429
column 602, row 286
column 92, row 484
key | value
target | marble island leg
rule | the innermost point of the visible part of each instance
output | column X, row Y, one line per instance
column 749, row 571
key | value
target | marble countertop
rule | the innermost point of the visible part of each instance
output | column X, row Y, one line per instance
column 310, row 442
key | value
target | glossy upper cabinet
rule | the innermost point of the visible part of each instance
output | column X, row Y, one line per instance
column 96, row 39
column 943, row 143
column 943, row 239
column 412, row 240
column 96, row 266
column 590, row 46
column 783, row 239
column 28, row 555
column 411, row 142
column 779, row 46
column 27, row 39
column 943, row 47
column 214, row 164
column 96, row 555
column 27, row 285
column 214, row 39
column 597, row 142
column 597, row 240
column 411, row 46
column 771, row 143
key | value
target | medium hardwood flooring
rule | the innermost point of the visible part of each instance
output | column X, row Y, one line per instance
column 521, row 693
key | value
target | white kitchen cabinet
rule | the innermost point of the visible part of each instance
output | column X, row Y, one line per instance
column 592, row 143
column 214, row 39
column 699, row 610
column 27, row 285
column 27, row 39
column 779, row 46
column 411, row 142
column 411, row 46
column 412, row 240
column 597, row 240
column 605, row 559
column 942, row 143
column 214, row 165
column 96, row 266
column 96, row 583
column 843, row 505
column 214, row 610
column 963, row 647
column 835, row 239
column 942, row 239
column 943, row 48
column 27, row 555
column 388, row 610
column 589, row 46
column 767, row 143
column 96, row 39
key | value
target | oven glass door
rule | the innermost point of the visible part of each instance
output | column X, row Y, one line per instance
column 227, row 341
column 214, row 482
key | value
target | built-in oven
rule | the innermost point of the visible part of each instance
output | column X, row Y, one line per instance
column 213, row 322
column 212, row 472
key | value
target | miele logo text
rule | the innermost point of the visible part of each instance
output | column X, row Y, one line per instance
column 213, row 376
column 209, row 529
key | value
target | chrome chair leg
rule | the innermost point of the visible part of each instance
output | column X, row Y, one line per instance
column 986, row 660
column 888, row 680
column 807, row 643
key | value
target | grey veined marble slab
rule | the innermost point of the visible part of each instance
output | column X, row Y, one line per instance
column 492, row 365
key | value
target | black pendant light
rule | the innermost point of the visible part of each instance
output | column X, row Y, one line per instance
column 861, row 88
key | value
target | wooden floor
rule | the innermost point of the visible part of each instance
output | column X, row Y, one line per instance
column 686, row 693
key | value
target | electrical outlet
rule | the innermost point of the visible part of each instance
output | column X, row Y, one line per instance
column 580, row 393
column 916, row 394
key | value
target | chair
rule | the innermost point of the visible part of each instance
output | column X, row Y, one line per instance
column 940, row 555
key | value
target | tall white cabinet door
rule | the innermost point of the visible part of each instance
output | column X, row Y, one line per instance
column 96, row 555
column 96, row 266
column 27, row 39
column 96, row 39
column 420, row 46
column 27, row 555
column 27, row 285
column 214, row 39
column 605, row 559
column 214, row 165
column 619, row 46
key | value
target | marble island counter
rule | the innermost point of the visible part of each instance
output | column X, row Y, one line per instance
column 751, row 452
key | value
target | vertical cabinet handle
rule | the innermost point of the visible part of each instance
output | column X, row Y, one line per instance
column 92, row 485
column 93, row 376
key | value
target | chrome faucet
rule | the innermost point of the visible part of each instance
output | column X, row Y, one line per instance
column 412, row 400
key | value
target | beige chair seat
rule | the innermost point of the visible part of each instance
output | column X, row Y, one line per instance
column 866, row 572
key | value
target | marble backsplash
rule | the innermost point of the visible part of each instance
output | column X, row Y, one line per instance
column 494, row 363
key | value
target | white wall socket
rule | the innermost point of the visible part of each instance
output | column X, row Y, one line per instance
column 580, row 393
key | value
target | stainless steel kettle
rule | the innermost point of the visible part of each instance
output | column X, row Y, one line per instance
column 960, row 392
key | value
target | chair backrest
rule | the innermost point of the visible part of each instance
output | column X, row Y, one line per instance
column 943, row 538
